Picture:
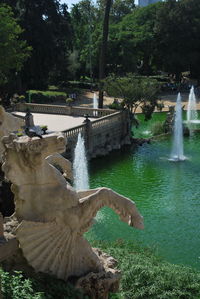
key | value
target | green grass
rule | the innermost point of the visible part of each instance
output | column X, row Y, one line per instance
column 144, row 276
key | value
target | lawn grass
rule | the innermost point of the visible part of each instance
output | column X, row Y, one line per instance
column 147, row 276
column 144, row 276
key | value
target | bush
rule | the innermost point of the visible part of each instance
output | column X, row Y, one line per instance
column 69, row 101
column 16, row 286
column 78, row 85
column 45, row 97
column 157, row 128
column 116, row 106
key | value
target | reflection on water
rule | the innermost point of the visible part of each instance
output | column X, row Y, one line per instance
column 167, row 195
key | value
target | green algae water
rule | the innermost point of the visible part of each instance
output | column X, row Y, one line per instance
column 166, row 193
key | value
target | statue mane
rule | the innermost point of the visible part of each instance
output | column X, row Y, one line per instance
column 8, row 124
column 30, row 153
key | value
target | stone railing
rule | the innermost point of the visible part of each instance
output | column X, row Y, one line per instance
column 108, row 131
column 95, row 125
column 101, row 135
column 73, row 132
column 62, row 110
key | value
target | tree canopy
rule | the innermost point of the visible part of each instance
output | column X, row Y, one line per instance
column 135, row 92
column 13, row 51
column 66, row 43
column 47, row 30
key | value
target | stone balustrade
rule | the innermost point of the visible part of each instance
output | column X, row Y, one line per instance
column 110, row 129
column 101, row 135
column 62, row 110
column 41, row 108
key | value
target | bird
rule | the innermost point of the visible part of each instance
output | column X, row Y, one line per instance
column 31, row 133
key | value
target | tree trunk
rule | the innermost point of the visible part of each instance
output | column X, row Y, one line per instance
column 102, row 60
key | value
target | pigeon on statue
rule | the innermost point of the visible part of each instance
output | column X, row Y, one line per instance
column 31, row 133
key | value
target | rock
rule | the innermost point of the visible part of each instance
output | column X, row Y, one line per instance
column 99, row 285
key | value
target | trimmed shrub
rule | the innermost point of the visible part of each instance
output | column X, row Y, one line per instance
column 44, row 97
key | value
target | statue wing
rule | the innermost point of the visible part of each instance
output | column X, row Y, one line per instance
column 95, row 199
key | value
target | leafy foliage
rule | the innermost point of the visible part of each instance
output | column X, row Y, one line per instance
column 144, row 275
column 178, row 22
column 86, row 29
column 16, row 286
column 135, row 92
column 47, row 30
column 66, row 44
column 39, row 96
column 157, row 128
column 13, row 51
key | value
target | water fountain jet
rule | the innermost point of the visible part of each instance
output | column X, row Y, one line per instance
column 80, row 166
column 95, row 101
column 177, row 148
column 192, row 115
column 95, row 104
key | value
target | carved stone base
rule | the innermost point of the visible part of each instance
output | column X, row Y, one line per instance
column 96, row 285
column 99, row 285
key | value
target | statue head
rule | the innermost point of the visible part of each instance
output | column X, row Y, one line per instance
column 2, row 112
column 2, row 121
column 8, row 124
column 23, row 155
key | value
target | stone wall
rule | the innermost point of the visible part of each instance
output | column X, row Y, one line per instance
column 102, row 135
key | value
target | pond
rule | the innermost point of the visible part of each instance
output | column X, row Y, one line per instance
column 166, row 193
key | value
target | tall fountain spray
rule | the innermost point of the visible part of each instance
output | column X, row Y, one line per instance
column 95, row 104
column 177, row 148
column 95, row 101
column 80, row 166
column 192, row 115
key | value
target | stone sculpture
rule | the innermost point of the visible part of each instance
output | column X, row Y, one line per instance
column 8, row 124
column 52, row 215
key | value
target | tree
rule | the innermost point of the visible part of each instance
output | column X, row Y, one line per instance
column 85, row 22
column 13, row 51
column 177, row 37
column 121, row 8
column 102, row 60
column 47, row 29
column 135, row 92
column 136, row 35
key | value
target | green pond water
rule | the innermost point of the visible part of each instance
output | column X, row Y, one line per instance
column 166, row 193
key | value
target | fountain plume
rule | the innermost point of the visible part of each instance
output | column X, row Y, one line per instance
column 95, row 103
column 192, row 107
column 80, row 166
column 177, row 148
